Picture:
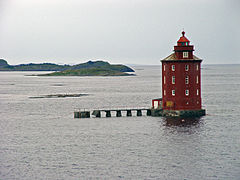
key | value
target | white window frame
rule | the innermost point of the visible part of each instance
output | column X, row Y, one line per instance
column 164, row 92
column 173, row 79
column 164, row 79
column 185, row 54
column 186, row 67
column 197, row 92
column 164, row 67
column 197, row 67
column 173, row 92
column 187, row 80
column 173, row 67
column 197, row 80
column 187, row 92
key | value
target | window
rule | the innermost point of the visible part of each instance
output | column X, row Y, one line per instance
column 186, row 80
column 164, row 80
column 173, row 67
column 164, row 68
column 197, row 92
column 187, row 92
column 185, row 54
column 173, row 79
column 197, row 67
column 186, row 67
column 164, row 92
column 197, row 79
column 186, row 43
column 173, row 92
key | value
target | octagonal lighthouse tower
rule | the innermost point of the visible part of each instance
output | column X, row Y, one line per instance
column 181, row 81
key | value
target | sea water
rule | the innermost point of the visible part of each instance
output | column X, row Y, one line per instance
column 40, row 139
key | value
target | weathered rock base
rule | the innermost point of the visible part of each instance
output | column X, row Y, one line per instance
column 178, row 113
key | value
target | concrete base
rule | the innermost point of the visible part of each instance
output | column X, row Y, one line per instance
column 178, row 113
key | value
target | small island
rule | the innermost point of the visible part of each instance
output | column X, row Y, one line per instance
column 90, row 68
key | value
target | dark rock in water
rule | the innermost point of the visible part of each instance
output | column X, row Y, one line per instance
column 57, row 84
column 58, row 96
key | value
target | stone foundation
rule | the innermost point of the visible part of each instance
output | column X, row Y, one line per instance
column 178, row 113
column 184, row 113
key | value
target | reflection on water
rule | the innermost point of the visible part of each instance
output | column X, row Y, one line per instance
column 185, row 125
column 181, row 121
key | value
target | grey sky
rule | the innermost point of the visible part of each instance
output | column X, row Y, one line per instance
column 119, row 31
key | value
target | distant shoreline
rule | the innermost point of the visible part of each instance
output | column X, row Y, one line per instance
column 90, row 68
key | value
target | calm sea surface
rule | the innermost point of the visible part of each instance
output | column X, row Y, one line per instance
column 40, row 139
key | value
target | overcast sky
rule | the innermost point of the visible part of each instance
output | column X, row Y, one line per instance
column 119, row 31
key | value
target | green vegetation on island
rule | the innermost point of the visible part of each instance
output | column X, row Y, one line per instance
column 90, row 68
column 96, row 71
column 4, row 66
column 3, row 63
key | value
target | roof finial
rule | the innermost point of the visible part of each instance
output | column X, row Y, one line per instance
column 183, row 33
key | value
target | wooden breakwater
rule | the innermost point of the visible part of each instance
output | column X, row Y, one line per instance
column 112, row 112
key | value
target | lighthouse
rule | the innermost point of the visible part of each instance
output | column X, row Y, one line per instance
column 181, row 82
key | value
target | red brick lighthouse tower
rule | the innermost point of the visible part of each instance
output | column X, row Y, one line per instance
column 181, row 81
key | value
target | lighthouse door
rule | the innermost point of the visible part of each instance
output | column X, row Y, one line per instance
column 156, row 104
